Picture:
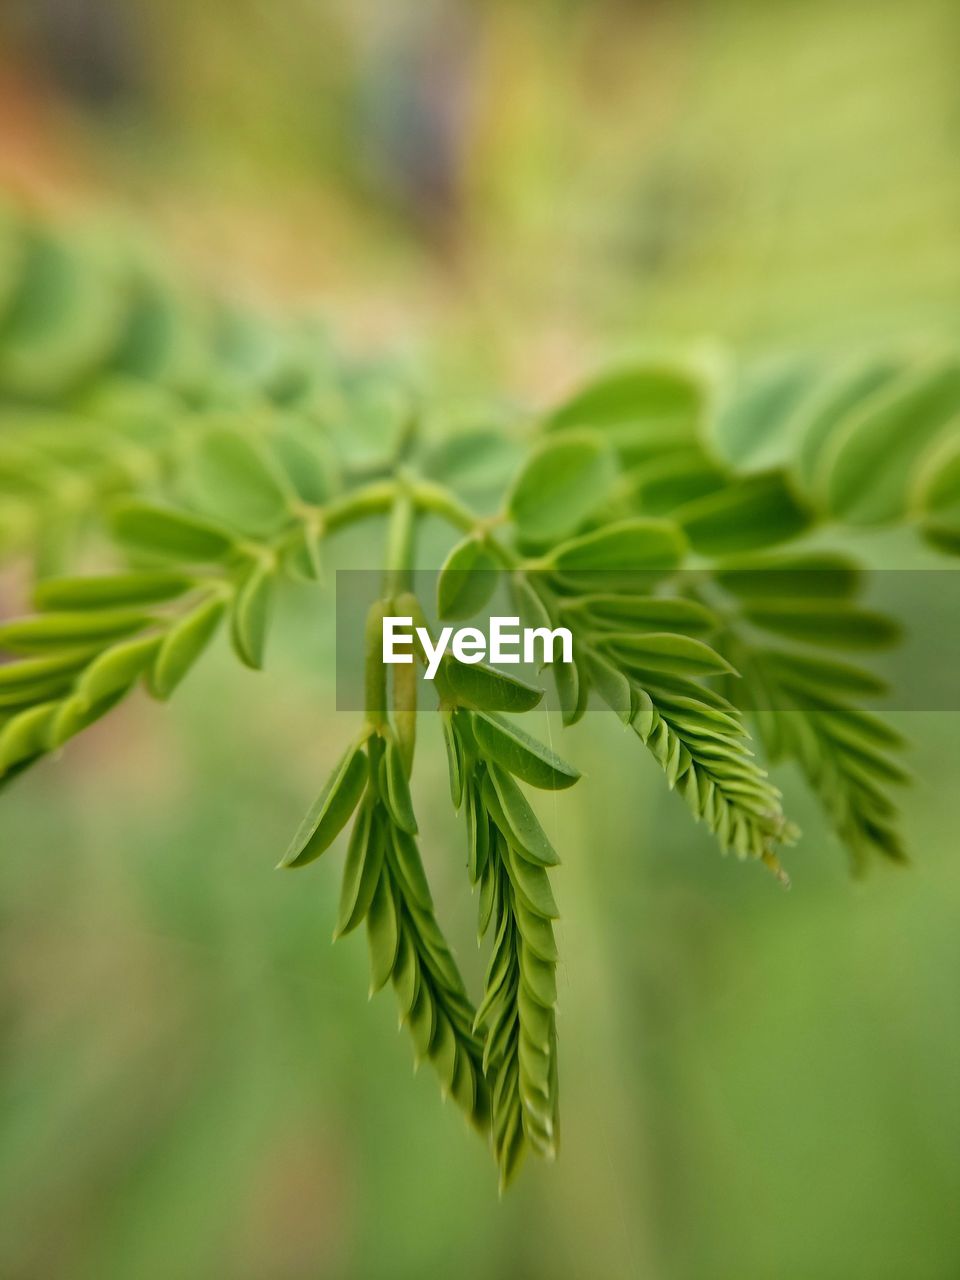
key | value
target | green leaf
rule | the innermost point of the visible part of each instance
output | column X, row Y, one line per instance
column 488, row 689
column 46, row 631
column 627, row 546
column 75, row 714
column 331, row 811
column 834, row 624
column 536, row 931
column 301, row 557
column 653, row 613
column 250, row 615
column 183, row 645
column 942, row 534
column 110, row 590
column 25, row 736
column 31, row 671
column 540, row 981
column 64, row 319
column 454, row 758
column 511, row 811
column 647, row 409
column 478, row 834
column 818, row 574
column 405, row 857
column 675, row 655
column 467, row 580
column 563, row 482
column 753, row 427
column 572, row 691
column 810, row 672
column 531, row 882
column 240, row 483
column 362, row 868
column 406, row 973
column 528, row 603
column 822, row 414
column 398, row 788
column 840, row 747
column 473, row 460
column 660, row 484
column 522, row 755
column 170, row 535
column 307, row 459
column 867, row 473
column 14, row 699
column 436, row 954
column 748, row 514
column 117, row 668
column 383, row 933
column 612, row 685
column 936, row 489
column 935, row 495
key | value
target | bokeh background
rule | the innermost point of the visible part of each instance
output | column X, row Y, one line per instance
column 755, row 1084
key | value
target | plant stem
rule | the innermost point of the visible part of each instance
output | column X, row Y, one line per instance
column 375, row 673
column 370, row 500
column 441, row 502
column 400, row 545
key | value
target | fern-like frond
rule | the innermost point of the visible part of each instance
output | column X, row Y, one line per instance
column 508, row 854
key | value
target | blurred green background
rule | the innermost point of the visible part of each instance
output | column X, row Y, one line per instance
column 755, row 1084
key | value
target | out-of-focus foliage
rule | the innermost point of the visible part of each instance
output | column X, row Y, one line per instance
column 753, row 1084
column 595, row 540
column 595, row 171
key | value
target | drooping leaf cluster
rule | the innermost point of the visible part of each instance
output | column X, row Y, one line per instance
column 675, row 515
